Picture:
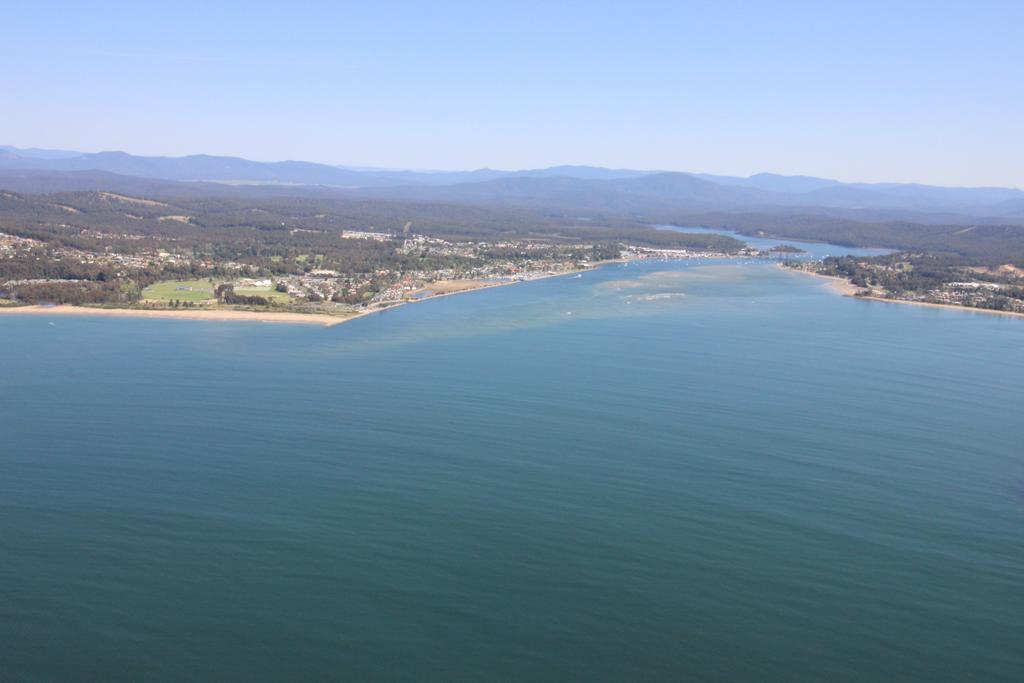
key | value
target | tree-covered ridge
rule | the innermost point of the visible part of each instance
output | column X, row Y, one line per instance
column 294, row 219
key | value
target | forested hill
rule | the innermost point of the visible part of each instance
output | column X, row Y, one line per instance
column 66, row 216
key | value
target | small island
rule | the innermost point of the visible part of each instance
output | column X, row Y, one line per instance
column 786, row 249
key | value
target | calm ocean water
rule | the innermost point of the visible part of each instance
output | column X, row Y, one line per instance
column 672, row 471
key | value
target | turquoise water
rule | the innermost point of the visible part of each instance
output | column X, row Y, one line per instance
column 662, row 471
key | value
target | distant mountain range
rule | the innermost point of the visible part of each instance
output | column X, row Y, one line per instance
column 582, row 189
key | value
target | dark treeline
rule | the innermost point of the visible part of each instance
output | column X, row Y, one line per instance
column 225, row 293
column 81, row 292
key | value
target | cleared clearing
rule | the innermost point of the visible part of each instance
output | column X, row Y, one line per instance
column 130, row 200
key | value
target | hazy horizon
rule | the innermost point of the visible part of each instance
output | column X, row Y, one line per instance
column 868, row 93
column 695, row 172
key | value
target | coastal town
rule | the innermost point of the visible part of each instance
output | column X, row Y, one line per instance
column 154, row 278
column 926, row 279
column 367, row 269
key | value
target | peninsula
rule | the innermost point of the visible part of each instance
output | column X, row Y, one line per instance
column 943, row 281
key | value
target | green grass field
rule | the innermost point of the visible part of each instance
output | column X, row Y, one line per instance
column 265, row 292
column 182, row 290
column 202, row 290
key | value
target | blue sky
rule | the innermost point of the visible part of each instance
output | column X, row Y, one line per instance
column 899, row 91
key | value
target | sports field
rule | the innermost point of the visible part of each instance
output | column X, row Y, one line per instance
column 202, row 290
column 181, row 290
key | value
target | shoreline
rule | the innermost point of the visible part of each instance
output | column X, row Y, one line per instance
column 321, row 319
column 227, row 315
column 839, row 285
column 845, row 288
column 951, row 307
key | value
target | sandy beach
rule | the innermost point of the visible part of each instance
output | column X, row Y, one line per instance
column 840, row 285
column 218, row 315
column 952, row 307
